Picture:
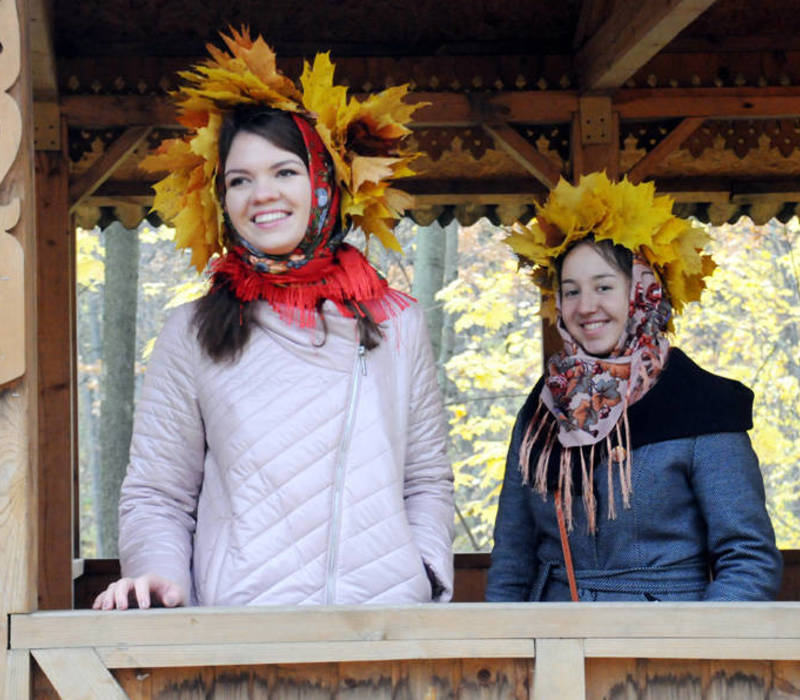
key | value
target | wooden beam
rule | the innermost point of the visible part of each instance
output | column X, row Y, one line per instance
column 763, row 649
column 242, row 625
column 57, row 380
column 42, row 53
column 78, row 673
column 455, row 109
column 711, row 103
column 559, row 671
column 510, row 141
column 593, row 157
column 433, row 200
column 313, row 652
column 630, row 37
column 105, row 166
column 667, row 145
column 590, row 18
column 100, row 111
column 444, row 109
column 17, row 682
column 720, row 188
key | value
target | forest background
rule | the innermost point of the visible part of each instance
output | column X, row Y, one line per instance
column 485, row 333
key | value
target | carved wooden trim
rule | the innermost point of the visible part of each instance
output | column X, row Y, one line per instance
column 104, row 168
column 510, row 141
column 671, row 142
column 12, row 295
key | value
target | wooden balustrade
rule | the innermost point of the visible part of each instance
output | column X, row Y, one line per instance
column 542, row 651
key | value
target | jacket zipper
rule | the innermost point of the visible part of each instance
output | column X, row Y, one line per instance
column 359, row 369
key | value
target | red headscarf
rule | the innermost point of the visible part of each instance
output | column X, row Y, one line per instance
column 321, row 267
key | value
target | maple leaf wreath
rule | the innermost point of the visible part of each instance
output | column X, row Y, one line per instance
column 363, row 137
column 625, row 213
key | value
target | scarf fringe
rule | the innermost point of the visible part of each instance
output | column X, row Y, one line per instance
column 348, row 280
column 544, row 424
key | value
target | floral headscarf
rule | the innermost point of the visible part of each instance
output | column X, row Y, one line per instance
column 586, row 397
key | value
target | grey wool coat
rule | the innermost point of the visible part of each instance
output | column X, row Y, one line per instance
column 697, row 527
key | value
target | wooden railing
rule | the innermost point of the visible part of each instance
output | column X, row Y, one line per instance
column 545, row 651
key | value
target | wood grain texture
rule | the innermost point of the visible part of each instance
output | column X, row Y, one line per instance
column 629, row 37
column 588, row 158
column 616, row 679
column 132, row 656
column 17, row 675
column 696, row 648
column 55, row 344
column 455, row 621
column 105, row 166
column 78, row 674
column 18, row 405
column 559, row 671
column 12, row 308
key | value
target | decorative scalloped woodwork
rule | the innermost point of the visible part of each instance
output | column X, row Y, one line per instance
column 743, row 136
column 12, row 291
column 756, row 149
column 763, row 160
column 454, row 153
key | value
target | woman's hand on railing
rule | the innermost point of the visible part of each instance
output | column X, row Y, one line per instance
column 148, row 588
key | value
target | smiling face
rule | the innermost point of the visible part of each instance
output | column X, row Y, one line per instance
column 267, row 194
column 594, row 299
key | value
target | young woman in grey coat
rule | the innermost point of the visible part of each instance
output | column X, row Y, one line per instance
column 654, row 447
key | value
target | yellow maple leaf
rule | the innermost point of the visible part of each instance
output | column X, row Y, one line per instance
column 374, row 170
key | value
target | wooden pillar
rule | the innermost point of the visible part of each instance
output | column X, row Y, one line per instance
column 595, row 138
column 56, row 313
column 19, row 398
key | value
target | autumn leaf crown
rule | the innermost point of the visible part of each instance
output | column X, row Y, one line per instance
column 363, row 137
column 627, row 214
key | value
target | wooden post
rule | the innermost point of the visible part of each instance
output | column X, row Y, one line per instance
column 595, row 138
column 56, row 352
column 18, row 401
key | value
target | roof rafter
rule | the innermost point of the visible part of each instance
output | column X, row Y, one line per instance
column 43, row 61
column 668, row 144
column 105, row 166
column 630, row 37
column 516, row 146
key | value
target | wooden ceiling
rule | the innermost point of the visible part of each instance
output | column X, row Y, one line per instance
column 701, row 96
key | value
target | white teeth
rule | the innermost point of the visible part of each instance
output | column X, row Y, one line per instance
column 270, row 216
column 593, row 325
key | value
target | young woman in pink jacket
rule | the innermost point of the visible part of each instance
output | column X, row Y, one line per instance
column 289, row 444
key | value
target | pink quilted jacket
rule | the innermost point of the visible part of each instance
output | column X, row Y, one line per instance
column 303, row 473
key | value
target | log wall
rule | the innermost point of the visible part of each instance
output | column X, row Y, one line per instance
column 18, row 389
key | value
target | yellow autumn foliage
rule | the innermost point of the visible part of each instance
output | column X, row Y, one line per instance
column 364, row 138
